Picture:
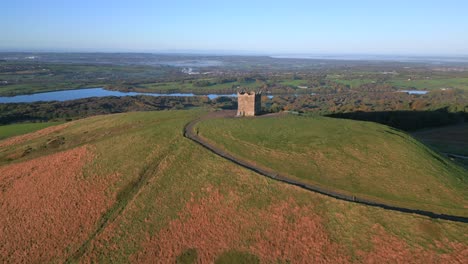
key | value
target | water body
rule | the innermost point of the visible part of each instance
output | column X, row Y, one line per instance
column 414, row 91
column 90, row 92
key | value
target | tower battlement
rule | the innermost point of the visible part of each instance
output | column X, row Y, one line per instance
column 249, row 103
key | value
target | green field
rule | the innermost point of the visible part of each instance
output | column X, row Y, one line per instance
column 175, row 87
column 293, row 83
column 20, row 129
column 147, row 193
column 432, row 84
column 364, row 159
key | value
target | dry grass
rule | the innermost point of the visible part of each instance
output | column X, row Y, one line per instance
column 213, row 225
column 390, row 249
column 210, row 225
column 47, row 207
column 295, row 234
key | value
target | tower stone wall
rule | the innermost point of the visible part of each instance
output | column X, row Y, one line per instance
column 249, row 103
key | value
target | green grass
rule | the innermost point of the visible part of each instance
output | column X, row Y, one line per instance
column 7, row 131
column 159, row 172
column 364, row 159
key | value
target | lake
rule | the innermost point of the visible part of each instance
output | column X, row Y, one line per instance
column 89, row 92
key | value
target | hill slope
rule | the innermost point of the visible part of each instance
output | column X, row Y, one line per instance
column 130, row 187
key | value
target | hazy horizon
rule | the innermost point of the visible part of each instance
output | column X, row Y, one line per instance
column 255, row 27
column 357, row 56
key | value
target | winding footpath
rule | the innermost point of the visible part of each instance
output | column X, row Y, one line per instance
column 193, row 135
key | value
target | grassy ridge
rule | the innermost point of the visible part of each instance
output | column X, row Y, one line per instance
column 172, row 196
column 358, row 158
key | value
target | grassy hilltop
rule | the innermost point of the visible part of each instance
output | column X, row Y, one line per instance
column 357, row 158
column 130, row 187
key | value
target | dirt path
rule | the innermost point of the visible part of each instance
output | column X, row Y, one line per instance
column 193, row 135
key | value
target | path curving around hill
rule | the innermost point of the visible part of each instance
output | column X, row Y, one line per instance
column 193, row 135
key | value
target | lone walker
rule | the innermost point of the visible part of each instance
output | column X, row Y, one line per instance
column 249, row 103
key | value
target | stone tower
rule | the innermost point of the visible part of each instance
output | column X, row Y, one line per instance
column 249, row 103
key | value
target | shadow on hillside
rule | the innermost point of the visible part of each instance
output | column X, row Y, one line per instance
column 408, row 120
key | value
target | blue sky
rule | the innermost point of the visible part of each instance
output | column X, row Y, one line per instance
column 290, row 26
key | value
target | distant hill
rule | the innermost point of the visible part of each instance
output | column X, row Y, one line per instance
column 130, row 188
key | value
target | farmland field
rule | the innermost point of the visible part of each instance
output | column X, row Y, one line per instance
column 134, row 189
